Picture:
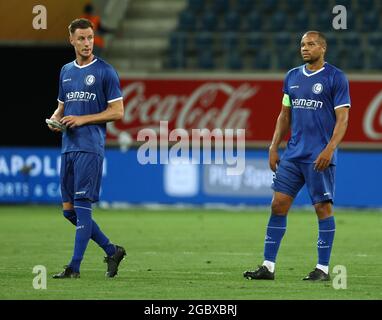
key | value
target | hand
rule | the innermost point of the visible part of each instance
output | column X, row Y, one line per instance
column 72, row 121
column 273, row 159
column 53, row 128
column 323, row 159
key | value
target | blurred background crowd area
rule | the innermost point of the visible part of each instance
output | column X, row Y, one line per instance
column 196, row 64
column 228, row 35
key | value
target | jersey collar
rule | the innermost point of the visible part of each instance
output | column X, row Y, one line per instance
column 313, row 73
column 84, row 66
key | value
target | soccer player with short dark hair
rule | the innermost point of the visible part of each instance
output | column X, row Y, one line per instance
column 315, row 108
column 89, row 96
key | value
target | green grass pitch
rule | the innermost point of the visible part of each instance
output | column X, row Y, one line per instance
column 187, row 254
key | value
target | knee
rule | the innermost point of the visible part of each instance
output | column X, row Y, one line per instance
column 280, row 206
column 323, row 209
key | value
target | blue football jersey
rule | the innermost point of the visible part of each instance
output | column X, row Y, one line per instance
column 87, row 90
column 313, row 97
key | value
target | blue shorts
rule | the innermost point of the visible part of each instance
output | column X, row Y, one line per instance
column 80, row 175
column 291, row 176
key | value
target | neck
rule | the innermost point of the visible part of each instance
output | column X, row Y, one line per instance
column 317, row 65
column 81, row 61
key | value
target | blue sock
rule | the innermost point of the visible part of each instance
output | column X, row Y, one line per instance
column 326, row 230
column 83, row 232
column 97, row 235
column 100, row 238
column 275, row 232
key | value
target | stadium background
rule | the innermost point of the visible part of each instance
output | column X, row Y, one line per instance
column 195, row 63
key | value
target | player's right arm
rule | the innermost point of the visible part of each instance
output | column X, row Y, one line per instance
column 282, row 128
column 57, row 115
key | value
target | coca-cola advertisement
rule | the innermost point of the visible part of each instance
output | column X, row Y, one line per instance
column 250, row 104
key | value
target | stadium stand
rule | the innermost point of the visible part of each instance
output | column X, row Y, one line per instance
column 256, row 34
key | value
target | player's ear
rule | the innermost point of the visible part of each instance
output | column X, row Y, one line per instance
column 71, row 40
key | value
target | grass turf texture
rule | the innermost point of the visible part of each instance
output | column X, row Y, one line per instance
column 186, row 254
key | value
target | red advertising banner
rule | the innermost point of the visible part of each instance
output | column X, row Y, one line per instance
column 249, row 104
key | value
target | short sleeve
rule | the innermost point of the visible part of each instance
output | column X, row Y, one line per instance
column 112, row 87
column 341, row 95
column 286, row 81
column 61, row 93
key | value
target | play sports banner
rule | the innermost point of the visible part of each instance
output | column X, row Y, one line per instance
column 249, row 103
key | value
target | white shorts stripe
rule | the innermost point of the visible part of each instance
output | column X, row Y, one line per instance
column 83, row 208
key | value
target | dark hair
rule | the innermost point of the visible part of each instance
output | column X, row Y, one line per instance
column 321, row 36
column 81, row 23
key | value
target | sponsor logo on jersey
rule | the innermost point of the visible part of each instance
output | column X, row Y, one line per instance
column 80, row 96
column 317, row 88
column 89, row 80
column 306, row 104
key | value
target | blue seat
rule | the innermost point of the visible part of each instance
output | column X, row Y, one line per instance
column 230, row 41
column 375, row 40
column 294, row 5
column 324, row 21
column 286, row 59
column 262, row 60
column 209, row 21
column 220, row 6
column 354, row 60
column 177, row 60
column 205, row 60
column 232, row 21
column 204, row 41
column 187, row 21
column 366, row 5
column 282, row 40
column 321, row 5
column 369, row 21
column 234, row 60
column 255, row 41
column 334, row 57
column 351, row 40
column 178, row 42
column 268, row 6
column 254, row 22
column 299, row 22
column 331, row 41
column 196, row 6
column 375, row 60
column 244, row 6
column 278, row 21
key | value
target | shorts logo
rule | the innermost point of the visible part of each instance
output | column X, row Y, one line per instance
column 90, row 79
column 317, row 88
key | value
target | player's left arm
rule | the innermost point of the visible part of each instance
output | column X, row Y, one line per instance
column 114, row 111
column 324, row 158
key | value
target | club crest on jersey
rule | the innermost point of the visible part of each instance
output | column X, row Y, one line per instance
column 90, row 79
column 317, row 88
